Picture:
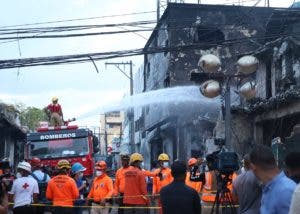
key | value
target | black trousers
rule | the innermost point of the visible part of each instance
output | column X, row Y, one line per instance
column 121, row 204
column 24, row 209
column 63, row 210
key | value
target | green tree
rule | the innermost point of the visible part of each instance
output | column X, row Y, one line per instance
column 31, row 116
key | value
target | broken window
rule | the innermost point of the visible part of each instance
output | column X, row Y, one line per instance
column 208, row 36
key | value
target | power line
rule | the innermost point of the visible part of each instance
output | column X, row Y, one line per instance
column 72, row 35
column 39, row 36
column 72, row 27
column 79, row 19
column 80, row 58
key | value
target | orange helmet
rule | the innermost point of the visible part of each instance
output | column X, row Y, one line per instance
column 192, row 161
column 100, row 165
column 35, row 162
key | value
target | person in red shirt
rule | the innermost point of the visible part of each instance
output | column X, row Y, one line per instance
column 62, row 189
column 120, row 181
column 54, row 111
column 135, row 191
column 101, row 190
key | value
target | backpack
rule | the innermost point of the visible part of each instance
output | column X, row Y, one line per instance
column 42, row 186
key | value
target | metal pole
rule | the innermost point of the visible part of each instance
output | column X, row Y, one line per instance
column 105, row 132
column 228, row 144
column 158, row 11
column 131, row 79
column 131, row 112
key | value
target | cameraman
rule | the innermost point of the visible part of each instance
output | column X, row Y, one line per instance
column 195, row 177
column 210, row 180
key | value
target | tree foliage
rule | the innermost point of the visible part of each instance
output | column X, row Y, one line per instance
column 31, row 116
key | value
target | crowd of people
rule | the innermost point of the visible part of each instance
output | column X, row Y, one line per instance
column 259, row 187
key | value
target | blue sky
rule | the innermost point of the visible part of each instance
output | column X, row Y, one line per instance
column 79, row 88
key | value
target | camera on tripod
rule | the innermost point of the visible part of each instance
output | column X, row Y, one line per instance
column 223, row 162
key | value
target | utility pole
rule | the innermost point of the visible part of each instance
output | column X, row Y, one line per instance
column 157, row 11
column 131, row 111
column 105, row 136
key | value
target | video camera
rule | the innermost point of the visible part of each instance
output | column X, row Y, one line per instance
column 224, row 162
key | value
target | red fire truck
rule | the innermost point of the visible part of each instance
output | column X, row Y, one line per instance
column 52, row 144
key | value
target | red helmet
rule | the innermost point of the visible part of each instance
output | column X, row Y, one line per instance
column 35, row 162
column 192, row 161
column 100, row 165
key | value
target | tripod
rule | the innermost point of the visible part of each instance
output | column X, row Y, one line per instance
column 223, row 196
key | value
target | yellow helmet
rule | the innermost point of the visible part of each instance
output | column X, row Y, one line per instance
column 54, row 99
column 136, row 157
column 63, row 164
column 163, row 157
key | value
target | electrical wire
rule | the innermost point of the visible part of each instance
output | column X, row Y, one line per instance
column 72, row 27
column 80, row 58
column 79, row 19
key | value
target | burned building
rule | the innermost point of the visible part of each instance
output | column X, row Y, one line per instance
column 273, row 115
column 12, row 136
column 185, row 32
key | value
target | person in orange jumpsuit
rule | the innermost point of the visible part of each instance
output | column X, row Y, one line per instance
column 62, row 189
column 135, row 191
column 101, row 190
column 196, row 185
column 164, row 176
column 120, row 181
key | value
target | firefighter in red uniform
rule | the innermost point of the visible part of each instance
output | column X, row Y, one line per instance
column 54, row 112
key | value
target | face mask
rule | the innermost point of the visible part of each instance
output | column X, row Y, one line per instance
column 98, row 173
column 80, row 175
column 19, row 175
column 165, row 164
column 142, row 165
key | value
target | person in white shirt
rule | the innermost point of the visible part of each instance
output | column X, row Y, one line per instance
column 24, row 191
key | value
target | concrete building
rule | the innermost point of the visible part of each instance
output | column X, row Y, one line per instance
column 187, row 32
column 273, row 116
column 12, row 136
column 111, row 132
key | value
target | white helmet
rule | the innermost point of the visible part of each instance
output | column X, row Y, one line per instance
column 24, row 165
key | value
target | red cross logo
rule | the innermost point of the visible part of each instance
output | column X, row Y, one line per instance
column 25, row 186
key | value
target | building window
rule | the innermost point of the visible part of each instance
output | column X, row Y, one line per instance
column 114, row 114
column 208, row 36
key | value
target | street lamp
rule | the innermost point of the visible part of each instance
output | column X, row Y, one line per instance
column 213, row 81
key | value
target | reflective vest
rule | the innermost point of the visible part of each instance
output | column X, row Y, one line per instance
column 210, row 187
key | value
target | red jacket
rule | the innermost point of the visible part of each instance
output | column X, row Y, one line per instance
column 55, row 108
